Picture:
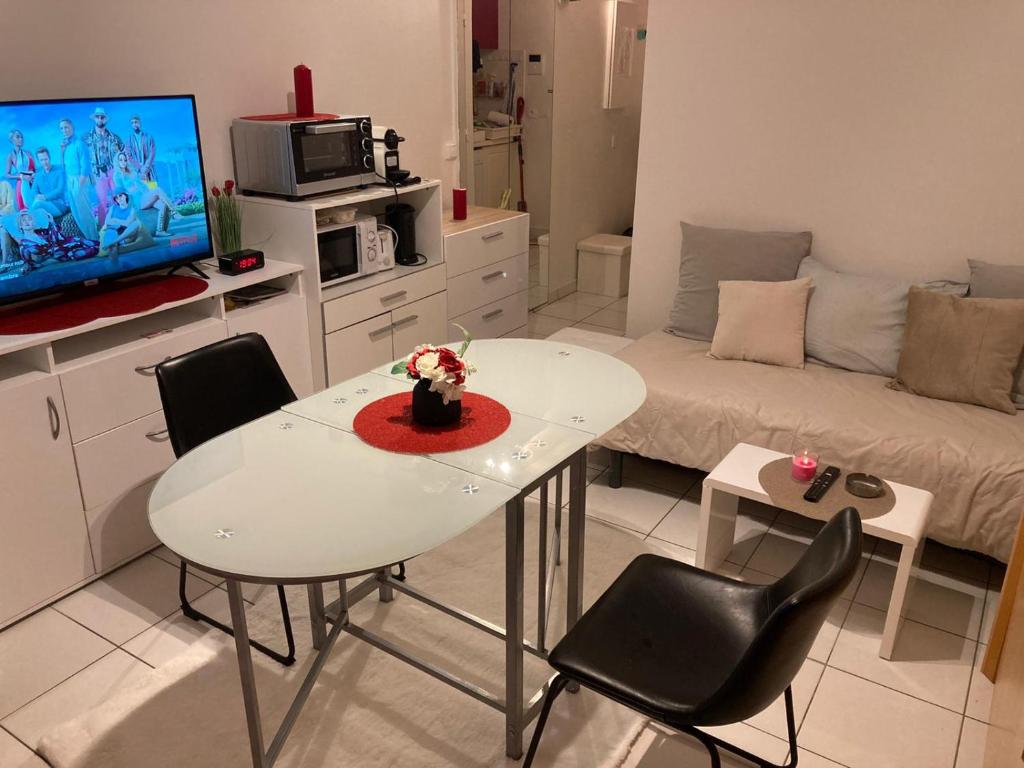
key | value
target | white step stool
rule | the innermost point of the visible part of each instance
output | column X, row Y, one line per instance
column 603, row 264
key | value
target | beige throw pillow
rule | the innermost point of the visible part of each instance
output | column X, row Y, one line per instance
column 761, row 322
column 964, row 350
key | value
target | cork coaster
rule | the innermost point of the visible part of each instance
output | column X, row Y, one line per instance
column 787, row 493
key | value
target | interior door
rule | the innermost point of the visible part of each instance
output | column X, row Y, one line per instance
column 44, row 547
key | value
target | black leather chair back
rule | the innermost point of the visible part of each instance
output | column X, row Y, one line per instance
column 798, row 605
column 216, row 388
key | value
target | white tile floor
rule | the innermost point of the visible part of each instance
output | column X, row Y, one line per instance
column 927, row 707
column 603, row 314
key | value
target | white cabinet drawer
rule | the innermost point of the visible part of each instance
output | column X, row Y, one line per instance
column 422, row 322
column 494, row 320
column 491, row 243
column 111, row 464
column 358, row 348
column 118, row 389
column 472, row 290
column 355, row 307
column 119, row 529
column 522, row 332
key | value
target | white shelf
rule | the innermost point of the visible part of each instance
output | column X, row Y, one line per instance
column 354, row 197
column 218, row 284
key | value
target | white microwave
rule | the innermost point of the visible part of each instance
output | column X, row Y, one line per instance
column 347, row 251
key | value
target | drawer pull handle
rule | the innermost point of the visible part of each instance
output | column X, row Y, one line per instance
column 145, row 370
column 500, row 273
column 54, row 415
column 404, row 320
column 493, row 314
column 393, row 296
column 156, row 435
column 381, row 331
column 492, row 236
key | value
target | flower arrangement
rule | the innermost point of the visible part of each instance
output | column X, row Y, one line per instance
column 445, row 370
column 227, row 218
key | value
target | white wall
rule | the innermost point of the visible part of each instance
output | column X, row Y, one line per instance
column 390, row 58
column 892, row 130
column 592, row 183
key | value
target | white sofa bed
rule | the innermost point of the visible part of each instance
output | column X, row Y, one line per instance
column 697, row 409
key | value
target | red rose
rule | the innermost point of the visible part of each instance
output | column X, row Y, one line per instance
column 411, row 368
column 229, row 184
column 216, row 192
column 447, row 360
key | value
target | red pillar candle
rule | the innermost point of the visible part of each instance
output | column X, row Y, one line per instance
column 805, row 466
column 459, row 204
column 303, row 91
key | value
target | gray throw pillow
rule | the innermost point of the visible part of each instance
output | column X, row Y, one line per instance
column 854, row 321
column 710, row 256
column 1000, row 281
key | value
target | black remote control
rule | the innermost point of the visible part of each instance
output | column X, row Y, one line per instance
column 821, row 484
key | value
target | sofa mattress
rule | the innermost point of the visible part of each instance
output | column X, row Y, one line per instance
column 697, row 409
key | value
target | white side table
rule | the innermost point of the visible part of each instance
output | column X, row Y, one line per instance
column 736, row 477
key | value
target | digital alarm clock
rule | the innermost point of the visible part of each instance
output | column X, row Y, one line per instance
column 241, row 261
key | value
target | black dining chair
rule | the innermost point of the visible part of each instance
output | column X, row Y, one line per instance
column 210, row 391
column 691, row 649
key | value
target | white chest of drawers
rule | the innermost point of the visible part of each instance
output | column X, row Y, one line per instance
column 487, row 257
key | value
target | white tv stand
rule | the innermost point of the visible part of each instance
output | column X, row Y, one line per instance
column 83, row 434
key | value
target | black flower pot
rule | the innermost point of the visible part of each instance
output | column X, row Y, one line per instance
column 428, row 407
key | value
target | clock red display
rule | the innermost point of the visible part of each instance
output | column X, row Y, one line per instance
column 247, row 262
column 243, row 261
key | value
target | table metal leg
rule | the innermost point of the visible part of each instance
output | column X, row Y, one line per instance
column 558, row 516
column 514, row 552
column 246, row 672
column 385, row 592
column 542, row 568
column 717, row 528
column 577, row 528
column 905, row 569
column 317, row 621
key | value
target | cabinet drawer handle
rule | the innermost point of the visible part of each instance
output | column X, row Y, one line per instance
column 54, row 415
column 145, row 370
column 492, row 236
column 404, row 320
column 381, row 331
column 493, row 314
column 500, row 273
column 393, row 296
column 157, row 434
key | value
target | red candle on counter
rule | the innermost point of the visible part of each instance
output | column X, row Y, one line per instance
column 805, row 466
column 303, row 91
column 459, row 204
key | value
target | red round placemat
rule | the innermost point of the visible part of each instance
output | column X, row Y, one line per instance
column 387, row 424
column 107, row 300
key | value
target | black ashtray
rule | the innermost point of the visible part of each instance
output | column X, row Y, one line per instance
column 865, row 486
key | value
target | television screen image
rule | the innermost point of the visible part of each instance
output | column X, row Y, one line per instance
column 98, row 188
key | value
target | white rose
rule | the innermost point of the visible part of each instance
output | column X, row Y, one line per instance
column 426, row 364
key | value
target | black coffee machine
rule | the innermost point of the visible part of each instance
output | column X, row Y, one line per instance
column 401, row 217
column 385, row 157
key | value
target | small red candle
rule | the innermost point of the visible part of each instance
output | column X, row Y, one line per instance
column 459, row 204
column 303, row 91
column 805, row 466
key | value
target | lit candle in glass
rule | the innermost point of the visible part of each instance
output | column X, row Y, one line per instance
column 805, row 466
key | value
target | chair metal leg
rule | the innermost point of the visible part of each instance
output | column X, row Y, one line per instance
column 556, row 687
column 615, row 470
column 758, row 761
column 284, row 659
column 709, row 745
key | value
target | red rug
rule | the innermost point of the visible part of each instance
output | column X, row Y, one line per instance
column 108, row 300
column 387, row 424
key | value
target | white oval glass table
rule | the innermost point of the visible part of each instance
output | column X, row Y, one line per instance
column 297, row 497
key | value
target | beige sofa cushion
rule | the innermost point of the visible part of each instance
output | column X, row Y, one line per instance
column 964, row 350
column 697, row 409
column 761, row 322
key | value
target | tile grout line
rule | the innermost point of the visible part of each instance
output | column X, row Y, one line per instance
column 54, row 686
column 14, row 736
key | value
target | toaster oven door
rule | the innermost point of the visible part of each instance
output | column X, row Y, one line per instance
column 327, row 150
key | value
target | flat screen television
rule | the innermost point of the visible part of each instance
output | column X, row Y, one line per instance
column 94, row 189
